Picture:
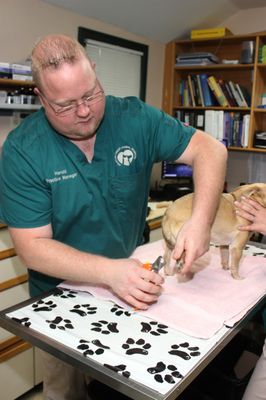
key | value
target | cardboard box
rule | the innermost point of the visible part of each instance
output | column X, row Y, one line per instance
column 20, row 77
column 210, row 33
column 21, row 69
column 5, row 70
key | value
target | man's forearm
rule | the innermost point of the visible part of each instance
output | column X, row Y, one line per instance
column 56, row 259
column 209, row 175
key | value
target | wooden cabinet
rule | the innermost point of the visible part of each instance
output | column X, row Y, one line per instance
column 19, row 361
column 250, row 76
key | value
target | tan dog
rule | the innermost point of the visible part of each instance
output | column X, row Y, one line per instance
column 224, row 231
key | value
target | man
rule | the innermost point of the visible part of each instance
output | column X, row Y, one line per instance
column 256, row 215
column 75, row 179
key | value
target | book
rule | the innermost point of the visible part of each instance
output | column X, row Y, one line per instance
column 226, row 93
column 200, row 120
column 232, row 102
column 235, row 94
column 211, row 123
column 210, row 33
column 192, row 90
column 220, row 124
column 200, row 91
column 245, row 130
column 227, row 127
column 198, row 61
column 243, row 100
column 208, row 100
column 217, row 91
column 197, row 91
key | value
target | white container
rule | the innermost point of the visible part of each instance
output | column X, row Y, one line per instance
column 3, row 96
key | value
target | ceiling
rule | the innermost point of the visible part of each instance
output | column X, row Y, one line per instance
column 159, row 20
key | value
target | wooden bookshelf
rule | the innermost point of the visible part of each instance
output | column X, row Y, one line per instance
column 251, row 76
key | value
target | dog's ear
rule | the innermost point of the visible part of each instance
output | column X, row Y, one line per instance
column 258, row 195
column 255, row 191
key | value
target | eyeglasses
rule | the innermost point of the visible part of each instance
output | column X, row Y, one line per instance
column 73, row 107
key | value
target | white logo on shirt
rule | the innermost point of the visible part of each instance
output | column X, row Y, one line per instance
column 125, row 155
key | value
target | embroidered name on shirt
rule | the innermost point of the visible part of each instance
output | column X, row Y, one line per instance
column 61, row 176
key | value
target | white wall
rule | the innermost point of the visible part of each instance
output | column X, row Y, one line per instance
column 23, row 22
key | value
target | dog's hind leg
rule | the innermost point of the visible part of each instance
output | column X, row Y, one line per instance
column 236, row 250
column 168, row 270
column 224, row 251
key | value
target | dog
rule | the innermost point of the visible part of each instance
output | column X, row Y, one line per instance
column 224, row 232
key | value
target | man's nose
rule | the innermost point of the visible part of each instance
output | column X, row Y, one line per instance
column 83, row 108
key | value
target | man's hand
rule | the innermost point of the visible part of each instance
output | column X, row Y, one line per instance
column 193, row 241
column 133, row 283
column 253, row 212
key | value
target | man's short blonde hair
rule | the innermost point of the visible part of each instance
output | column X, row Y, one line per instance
column 51, row 52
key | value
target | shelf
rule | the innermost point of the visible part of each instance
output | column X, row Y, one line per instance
column 25, row 107
column 198, row 108
column 215, row 67
column 183, row 85
column 12, row 82
column 247, row 149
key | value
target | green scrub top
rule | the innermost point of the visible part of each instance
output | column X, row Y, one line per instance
column 99, row 206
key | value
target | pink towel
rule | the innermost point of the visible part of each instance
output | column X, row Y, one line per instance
column 201, row 306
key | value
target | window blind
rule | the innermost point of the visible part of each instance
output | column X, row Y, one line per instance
column 118, row 69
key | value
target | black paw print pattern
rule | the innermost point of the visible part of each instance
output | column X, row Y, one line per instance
column 23, row 321
column 186, row 355
column 60, row 323
column 170, row 373
column 118, row 310
column 90, row 348
column 65, row 293
column 154, row 328
column 84, row 309
column 105, row 327
column 42, row 305
column 119, row 368
column 138, row 347
column 258, row 254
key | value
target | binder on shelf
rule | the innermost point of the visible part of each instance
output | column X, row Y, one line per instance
column 210, row 33
column 218, row 93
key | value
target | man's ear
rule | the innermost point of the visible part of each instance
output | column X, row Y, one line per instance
column 38, row 93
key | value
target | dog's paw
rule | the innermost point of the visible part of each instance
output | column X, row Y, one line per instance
column 181, row 278
column 179, row 265
column 225, row 267
column 236, row 275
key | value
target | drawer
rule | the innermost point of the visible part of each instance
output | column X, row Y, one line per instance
column 38, row 366
column 11, row 268
column 10, row 297
column 5, row 240
column 17, row 374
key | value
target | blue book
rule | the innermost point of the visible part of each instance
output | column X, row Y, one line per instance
column 208, row 102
